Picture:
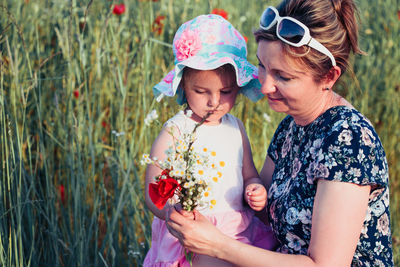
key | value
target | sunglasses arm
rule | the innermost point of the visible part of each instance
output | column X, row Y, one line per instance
column 318, row 46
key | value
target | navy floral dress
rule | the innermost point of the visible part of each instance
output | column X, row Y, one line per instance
column 340, row 145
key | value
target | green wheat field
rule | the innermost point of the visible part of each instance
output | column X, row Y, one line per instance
column 75, row 88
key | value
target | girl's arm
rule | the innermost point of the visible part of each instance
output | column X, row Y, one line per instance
column 339, row 211
column 255, row 192
column 267, row 171
column 266, row 178
column 249, row 171
column 163, row 141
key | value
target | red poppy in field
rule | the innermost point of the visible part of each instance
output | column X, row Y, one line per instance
column 76, row 94
column 157, row 26
column 82, row 25
column 245, row 38
column 398, row 14
column 61, row 188
column 221, row 12
column 104, row 124
column 119, row 9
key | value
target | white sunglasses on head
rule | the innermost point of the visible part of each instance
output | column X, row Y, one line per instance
column 292, row 31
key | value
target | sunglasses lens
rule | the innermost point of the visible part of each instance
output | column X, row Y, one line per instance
column 290, row 31
column 267, row 17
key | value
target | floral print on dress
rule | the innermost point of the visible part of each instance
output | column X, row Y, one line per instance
column 340, row 145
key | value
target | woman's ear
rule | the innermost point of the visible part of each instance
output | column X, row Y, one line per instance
column 331, row 77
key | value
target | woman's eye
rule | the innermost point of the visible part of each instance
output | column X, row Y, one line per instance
column 286, row 79
column 282, row 77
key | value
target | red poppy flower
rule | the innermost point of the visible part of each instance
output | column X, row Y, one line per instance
column 221, row 12
column 245, row 38
column 163, row 190
column 119, row 9
column 398, row 14
column 82, row 25
column 62, row 193
column 104, row 124
column 76, row 94
column 157, row 26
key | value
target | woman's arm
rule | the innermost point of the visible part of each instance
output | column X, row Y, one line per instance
column 338, row 215
column 339, row 212
column 160, row 145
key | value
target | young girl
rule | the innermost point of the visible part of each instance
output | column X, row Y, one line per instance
column 210, row 70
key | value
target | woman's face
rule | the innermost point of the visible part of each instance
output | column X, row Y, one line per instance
column 210, row 91
column 288, row 88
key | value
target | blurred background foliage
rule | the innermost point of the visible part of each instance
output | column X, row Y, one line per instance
column 75, row 88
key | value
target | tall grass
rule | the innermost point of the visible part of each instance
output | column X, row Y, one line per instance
column 75, row 87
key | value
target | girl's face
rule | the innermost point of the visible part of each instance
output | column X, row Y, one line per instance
column 288, row 88
column 210, row 91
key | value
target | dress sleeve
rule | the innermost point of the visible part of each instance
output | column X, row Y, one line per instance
column 352, row 152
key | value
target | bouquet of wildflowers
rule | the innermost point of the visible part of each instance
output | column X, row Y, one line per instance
column 187, row 173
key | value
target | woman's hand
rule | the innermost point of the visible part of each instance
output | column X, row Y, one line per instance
column 256, row 196
column 198, row 235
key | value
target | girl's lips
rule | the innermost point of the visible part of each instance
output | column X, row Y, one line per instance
column 213, row 111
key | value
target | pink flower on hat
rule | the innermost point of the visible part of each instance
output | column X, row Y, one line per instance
column 169, row 77
column 188, row 45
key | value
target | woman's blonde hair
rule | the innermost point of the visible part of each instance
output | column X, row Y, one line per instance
column 331, row 22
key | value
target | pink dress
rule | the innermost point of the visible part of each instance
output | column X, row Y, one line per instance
column 229, row 215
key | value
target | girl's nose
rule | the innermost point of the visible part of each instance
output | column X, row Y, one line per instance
column 214, row 99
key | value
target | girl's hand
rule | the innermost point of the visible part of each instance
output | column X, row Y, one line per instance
column 256, row 196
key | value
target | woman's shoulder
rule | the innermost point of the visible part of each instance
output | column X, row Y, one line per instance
column 340, row 114
column 341, row 119
column 349, row 147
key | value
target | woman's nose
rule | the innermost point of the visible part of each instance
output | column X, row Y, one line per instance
column 267, row 84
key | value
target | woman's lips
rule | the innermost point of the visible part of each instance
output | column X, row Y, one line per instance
column 274, row 99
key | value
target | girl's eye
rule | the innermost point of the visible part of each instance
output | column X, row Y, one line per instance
column 199, row 92
column 226, row 92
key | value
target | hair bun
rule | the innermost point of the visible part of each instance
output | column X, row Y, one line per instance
column 337, row 5
column 346, row 12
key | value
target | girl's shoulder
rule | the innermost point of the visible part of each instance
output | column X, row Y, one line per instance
column 177, row 118
column 232, row 119
column 181, row 122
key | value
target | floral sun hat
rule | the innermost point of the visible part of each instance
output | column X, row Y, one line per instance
column 206, row 43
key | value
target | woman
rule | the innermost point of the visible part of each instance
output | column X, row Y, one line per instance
column 326, row 171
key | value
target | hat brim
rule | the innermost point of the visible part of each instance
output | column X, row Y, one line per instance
column 246, row 76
